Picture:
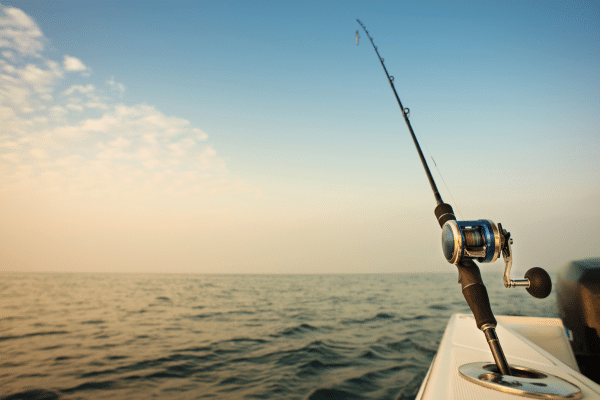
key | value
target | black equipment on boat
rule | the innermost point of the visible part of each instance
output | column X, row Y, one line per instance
column 464, row 241
column 578, row 301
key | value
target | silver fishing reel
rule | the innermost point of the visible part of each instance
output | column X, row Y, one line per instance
column 479, row 240
column 483, row 240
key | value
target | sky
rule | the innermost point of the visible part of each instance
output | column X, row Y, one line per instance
column 257, row 137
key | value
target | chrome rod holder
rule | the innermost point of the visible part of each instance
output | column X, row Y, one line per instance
column 522, row 381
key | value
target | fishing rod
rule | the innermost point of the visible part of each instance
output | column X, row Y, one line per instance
column 465, row 241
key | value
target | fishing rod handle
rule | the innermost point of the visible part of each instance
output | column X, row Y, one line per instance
column 475, row 293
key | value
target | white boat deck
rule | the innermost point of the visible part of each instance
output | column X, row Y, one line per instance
column 537, row 343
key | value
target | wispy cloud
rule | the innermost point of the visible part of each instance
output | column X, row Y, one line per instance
column 88, row 89
column 116, row 86
column 73, row 64
column 20, row 33
column 80, row 140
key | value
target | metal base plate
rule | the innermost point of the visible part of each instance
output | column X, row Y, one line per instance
column 525, row 382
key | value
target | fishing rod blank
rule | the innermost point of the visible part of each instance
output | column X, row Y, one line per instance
column 405, row 114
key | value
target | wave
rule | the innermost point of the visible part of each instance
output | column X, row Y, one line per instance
column 28, row 335
column 93, row 322
column 377, row 318
column 35, row 394
column 296, row 330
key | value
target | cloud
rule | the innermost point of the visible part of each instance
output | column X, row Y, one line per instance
column 19, row 32
column 200, row 134
column 75, row 107
column 73, row 64
column 92, row 104
column 40, row 154
column 27, row 88
column 8, row 54
column 12, row 157
column 116, row 86
column 79, row 88
column 82, row 142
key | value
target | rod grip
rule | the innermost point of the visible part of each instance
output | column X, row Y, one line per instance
column 475, row 293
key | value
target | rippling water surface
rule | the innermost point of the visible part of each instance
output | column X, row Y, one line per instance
column 87, row 336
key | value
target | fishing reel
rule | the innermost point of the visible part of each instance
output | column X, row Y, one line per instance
column 483, row 240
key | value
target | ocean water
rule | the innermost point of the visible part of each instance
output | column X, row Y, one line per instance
column 119, row 336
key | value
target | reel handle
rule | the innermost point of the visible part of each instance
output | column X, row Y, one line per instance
column 537, row 281
column 540, row 284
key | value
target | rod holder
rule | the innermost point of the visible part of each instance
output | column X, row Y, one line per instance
column 522, row 381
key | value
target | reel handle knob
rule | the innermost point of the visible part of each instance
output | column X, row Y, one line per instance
column 540, row 284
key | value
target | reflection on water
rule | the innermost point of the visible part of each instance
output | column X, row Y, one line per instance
column 67, row 336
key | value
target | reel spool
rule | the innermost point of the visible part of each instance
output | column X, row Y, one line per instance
column 483, row 240
column 480, row 240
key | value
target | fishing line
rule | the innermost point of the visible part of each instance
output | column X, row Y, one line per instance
column 443, row 180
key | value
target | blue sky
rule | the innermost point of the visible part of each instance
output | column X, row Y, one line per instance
column 250, row 137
